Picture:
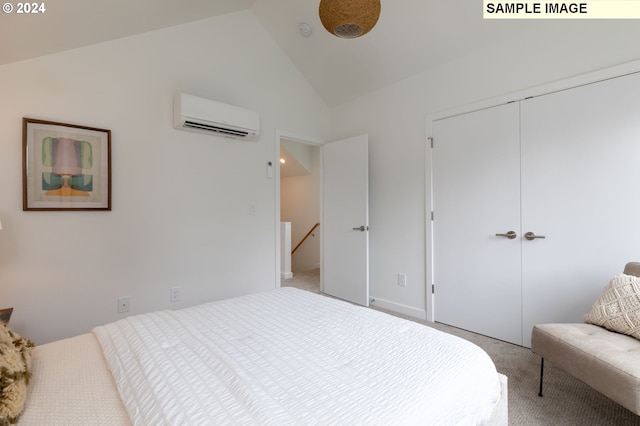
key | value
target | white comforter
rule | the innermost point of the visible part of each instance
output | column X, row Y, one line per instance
column 288, row 356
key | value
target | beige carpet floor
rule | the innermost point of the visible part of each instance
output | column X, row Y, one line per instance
column 567, row 401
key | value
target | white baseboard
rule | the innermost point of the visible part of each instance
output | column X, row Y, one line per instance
column 286, row 275
column 399, row 308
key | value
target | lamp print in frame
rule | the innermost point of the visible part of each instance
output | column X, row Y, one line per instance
column 65, row 166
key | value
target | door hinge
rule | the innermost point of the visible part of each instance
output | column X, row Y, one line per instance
column 433, row 289
column 432, row 215
column 430, row 139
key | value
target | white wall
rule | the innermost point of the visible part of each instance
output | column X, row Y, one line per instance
column 395, row 117
column 180, row 200
column 300, row 205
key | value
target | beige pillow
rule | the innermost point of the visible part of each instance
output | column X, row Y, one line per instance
column 15, row 363
column 618, row 308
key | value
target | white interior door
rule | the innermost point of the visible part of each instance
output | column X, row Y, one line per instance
column 476, row 195
column 345, row 206
column 574, row 185
column 580, row 183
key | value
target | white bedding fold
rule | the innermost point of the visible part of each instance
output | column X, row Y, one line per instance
column 288, row 356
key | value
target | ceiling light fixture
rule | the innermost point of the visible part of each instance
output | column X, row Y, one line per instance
column 349, row 18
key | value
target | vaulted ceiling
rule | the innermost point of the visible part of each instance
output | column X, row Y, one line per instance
column 410, row 37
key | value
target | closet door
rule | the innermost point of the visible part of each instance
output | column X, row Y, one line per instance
column 580, row 186
column 476, row 195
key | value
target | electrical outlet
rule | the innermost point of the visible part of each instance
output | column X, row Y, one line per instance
column 174, row 294
column 402, row 279
column 123, row 305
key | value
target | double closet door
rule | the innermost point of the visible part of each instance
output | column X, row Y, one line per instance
column 536, row 206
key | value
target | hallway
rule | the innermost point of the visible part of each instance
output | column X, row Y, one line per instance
column 305, row 280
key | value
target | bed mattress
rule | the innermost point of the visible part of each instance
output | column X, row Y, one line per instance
column 289, row 356
column 71, row 385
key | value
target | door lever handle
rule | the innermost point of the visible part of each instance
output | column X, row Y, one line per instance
column 361, row 228
column 510, row 235
column 532, row 236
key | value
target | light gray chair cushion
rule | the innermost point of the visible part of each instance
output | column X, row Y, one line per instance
column 632, row 268
column 607, row 361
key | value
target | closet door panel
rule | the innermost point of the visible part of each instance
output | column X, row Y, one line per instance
column 476, row 194
column 580, row 186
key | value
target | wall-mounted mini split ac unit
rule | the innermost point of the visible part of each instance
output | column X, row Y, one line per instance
column 214, row 118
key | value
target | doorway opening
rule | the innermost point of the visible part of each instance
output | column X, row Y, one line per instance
column 300, row 211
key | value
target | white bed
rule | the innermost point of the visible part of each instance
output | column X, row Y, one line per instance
column 284, row 356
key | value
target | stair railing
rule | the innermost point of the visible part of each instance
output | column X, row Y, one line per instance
column 305, row 237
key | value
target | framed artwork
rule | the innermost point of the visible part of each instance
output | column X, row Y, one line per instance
column 65, row 167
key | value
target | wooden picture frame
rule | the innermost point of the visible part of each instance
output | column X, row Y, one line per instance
column 65, row 166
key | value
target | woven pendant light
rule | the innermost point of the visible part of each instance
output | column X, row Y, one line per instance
column 349, row 18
